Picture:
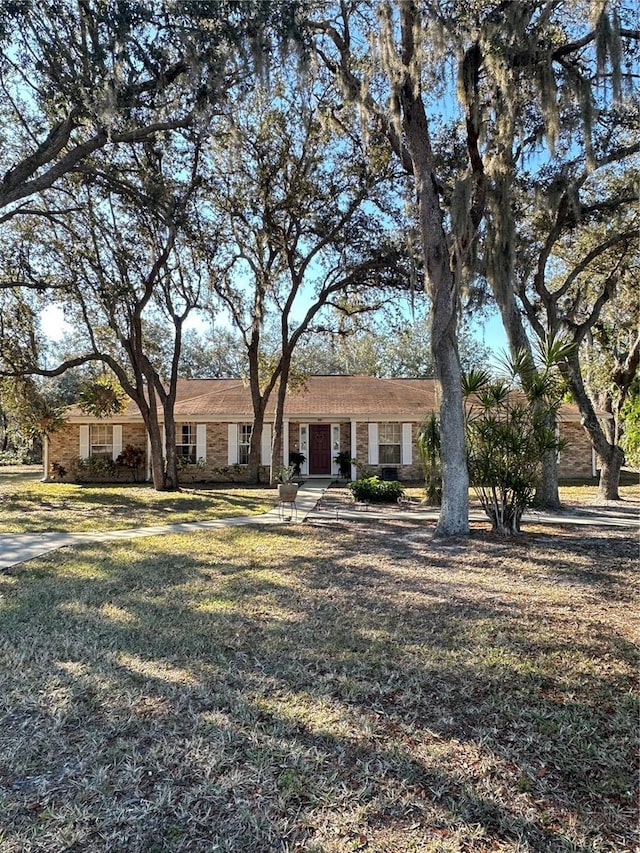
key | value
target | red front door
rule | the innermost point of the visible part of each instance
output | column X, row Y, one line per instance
column 320, row 449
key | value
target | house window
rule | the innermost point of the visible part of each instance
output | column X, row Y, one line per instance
column 244, row 443
column 389, row 444
column 186, row 443
column 101, row 440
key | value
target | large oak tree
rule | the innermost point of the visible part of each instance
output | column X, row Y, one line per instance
column 306, row 225
column 401, row 63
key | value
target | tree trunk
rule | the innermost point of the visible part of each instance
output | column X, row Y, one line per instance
column 168, row 398
column 4, row 423
column 171, row 469
column 442, row 285
column 454, row 512
column 610, row 466
column 277, row 454
column 157, row 456
column 547, row 494
column 610, row 455
column 255, row 448
column 277, row 449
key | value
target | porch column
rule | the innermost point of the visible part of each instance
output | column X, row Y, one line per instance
column 285, row 443
column 354, row 449
column 45, row 459
column 148, row 458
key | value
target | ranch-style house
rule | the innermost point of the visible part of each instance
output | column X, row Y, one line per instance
column 373, row 420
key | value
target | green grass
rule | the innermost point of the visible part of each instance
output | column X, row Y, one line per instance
column 28, row 505
column 324, row 689
column 586, row 491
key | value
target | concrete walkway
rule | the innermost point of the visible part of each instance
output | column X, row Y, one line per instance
column 21, row 547
column 600, row 516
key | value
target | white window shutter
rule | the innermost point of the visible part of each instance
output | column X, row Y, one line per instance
column 373, row 444
column 232, row 444
column 117, row 441
column 407, row 450
column 265, row 449
column 84, row 441
column 201, row 442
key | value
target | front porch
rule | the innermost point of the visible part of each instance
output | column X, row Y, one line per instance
column 369, row 446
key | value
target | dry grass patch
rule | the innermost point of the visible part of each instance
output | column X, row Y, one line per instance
column 323, row 689
column 573, row 493
column 27, row 505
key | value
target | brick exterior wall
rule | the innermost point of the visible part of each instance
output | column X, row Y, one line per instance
column 64, row 447
column 575, row 459
column 345, row 437
column 406, row 473
column 216, row 468
column 217, row 450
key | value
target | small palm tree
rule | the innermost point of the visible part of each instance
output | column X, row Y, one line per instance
column 509, row 429
column 428, row 444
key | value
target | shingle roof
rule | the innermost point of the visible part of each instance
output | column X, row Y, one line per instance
column 319, row 396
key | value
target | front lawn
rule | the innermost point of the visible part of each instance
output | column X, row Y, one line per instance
column 28, row 505
column 582, row 491
column 328, row 688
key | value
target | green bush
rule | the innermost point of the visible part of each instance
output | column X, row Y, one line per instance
column 19, row 456
column 376, row 490
column 93, row 469
column 509, row 428
column 631, row 437
column 132, row 458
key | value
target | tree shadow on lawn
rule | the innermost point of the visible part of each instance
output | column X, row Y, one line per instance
column 122, row 506
column 144, row 496
column 556, row 553
column 591, row 551
column 320, row 694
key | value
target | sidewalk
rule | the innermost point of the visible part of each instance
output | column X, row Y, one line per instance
column 609, row 517
column 20, row 547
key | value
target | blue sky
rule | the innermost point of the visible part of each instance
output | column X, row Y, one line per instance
column 491, row 333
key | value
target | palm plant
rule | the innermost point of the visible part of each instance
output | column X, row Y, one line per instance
column 297, row 459
column 510, row 425
column 428, row 444
column 343, row 461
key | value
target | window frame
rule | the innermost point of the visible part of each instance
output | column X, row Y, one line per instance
column 389, row 449
column 101, row 449
column 190, row 456
column 244, row 444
